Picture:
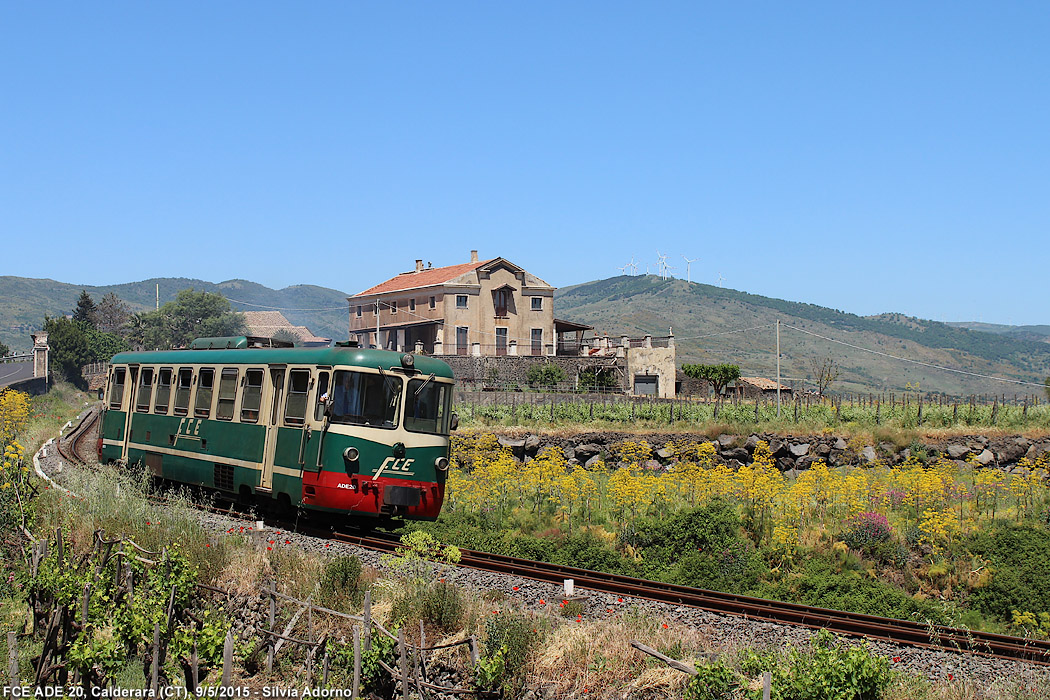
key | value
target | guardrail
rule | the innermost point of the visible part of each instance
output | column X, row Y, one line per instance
column 26, row 357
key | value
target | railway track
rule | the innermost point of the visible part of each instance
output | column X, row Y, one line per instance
column 69, row 446
column 894, row 631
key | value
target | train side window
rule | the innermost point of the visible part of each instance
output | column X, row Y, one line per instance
column 182, row 391
column 322, row 392
column 298, row 388
column 251, row 398
column 163, row 391
column 205, row 387
column 227, row 394
column 145, row 392
column 116, row 389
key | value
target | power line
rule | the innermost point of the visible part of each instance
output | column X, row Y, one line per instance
column 740, row 330
column 280, row 308
column 911, row 361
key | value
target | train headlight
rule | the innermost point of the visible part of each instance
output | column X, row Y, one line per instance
column 407, row 361
column 351, row 454
column 441, row 463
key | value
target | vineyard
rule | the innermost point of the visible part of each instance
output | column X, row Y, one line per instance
column 914, row 532
column 481, row 409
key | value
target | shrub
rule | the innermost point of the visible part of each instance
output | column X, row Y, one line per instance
column 340, row 581
column 518, row 633
column 1020, row 557
column 545, row 375
column 866, row 530
column 712, row 682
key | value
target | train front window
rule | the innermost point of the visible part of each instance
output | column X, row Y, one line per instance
column 366, row 399
column 427, row 406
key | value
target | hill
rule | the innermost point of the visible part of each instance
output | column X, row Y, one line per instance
column 24, row 302
column 702, row 317
column 1038, row 333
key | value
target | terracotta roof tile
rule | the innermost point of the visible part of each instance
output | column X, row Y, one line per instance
column 763, row 383
column 423, row 278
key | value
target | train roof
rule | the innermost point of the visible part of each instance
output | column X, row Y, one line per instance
column 355, row 357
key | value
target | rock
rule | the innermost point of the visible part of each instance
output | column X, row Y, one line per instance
column 887, row 448
column 1036, row 450
column 1012, row 451
column 725, row 441
column 985, row 458
column 805, row 462
column 592, row 461
column 868, row 454
column 778, row 448
column 737, row 453
column 665, row 453
column 517, row 446
column 785, row 464
column 800, row 450
column 532, row 444
column 569, row 452
column 835, row 457
column 840, row 444
column 653, row 465
column 586, row 451
column 822, row 450
column 956, row 451
column 905, row 453
column 751, row 443
column 734, row 464
column 791, row 473
column 976, row 446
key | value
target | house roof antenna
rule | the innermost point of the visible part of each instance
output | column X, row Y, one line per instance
column 688, row 262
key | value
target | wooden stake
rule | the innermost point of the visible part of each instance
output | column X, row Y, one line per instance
column 154, row 669
column 227, row 660
column 12, row 659
column 270, row 640
column 368, row 619
column 403, row 658
column 357, row 663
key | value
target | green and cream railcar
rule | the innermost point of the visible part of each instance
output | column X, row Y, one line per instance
column 341, row 430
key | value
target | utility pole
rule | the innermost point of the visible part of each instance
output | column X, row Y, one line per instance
column 158, row 296
column 778, row 368
column 377, row 325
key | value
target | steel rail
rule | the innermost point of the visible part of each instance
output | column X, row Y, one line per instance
column 76, row 436
column 891, row 630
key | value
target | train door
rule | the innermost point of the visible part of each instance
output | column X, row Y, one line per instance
column 272, row 426
column 129, row 401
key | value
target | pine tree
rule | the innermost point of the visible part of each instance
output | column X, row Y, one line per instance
column 85, row 311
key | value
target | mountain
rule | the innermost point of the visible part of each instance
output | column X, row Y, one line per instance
column 1037, row 333
column 24, row 302
column 706, row 321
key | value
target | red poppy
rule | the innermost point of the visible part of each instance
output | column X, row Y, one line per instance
column 287, row 541
column 269, row 549
column 608, row 609
column 896, row 659
column 951, row 677
column 619, row 600
column 207, row 545
column 515, row 588
column 542, row 601
column 665, row 625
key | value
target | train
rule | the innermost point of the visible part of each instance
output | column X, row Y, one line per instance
column 349, row 432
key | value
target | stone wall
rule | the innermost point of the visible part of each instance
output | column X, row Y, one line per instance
column 790, row 452
column 507, row 370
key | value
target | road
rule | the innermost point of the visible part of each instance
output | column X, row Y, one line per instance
column 11, row 372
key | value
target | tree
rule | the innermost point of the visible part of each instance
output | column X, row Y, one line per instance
column 825, row 371
column 287, row 336
column 4, row 350
column 545, row 375
column 599, row 379
column 192, row 315
column 68, row 347
column 112, row 314
column 85, row 311
column 1047, row 383
column 718, row 375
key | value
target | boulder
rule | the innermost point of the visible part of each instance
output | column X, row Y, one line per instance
column 1036, row 450
column 822, row 450
column 840, row 444
column 956, row 451
column 665, row 453
column 737, row 453
column 887, row 448
column 834, row 458
column 586, row 451
column 532, row 444
column 652, row 465
column 751, row 443
column 725, row 441
column 515, row 445
column 800, row 450
column 985, row 458
column 868, row 454
column 905, row 453
column 1012, row 451
column 785, row 464
column 592, row 461
column 805, row 462
column 734, row 464
column 778, row 448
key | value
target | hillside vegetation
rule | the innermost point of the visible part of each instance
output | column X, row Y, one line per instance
column 24, row 302
column 698, row 312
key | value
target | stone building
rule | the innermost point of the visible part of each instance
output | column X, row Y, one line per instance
column 267, row 324
column 756, row 387
column 491, row 320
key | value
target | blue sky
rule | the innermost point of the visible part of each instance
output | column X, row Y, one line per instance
column 867, row 157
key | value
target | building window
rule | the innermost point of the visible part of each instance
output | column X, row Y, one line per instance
column 433, row 302
column 359, row 311
column 461, row 301
column 501, row 297
column 537, row 303
column 461, row 340
column 501, row 341
column 411, row 304
column 375, row 309
column 537, row 341
column 393, row 307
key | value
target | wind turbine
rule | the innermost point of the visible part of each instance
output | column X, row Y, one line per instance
column 721, row 279
column 688, row 262
column 622, row 269
column 661, row 262
column 634, row 266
